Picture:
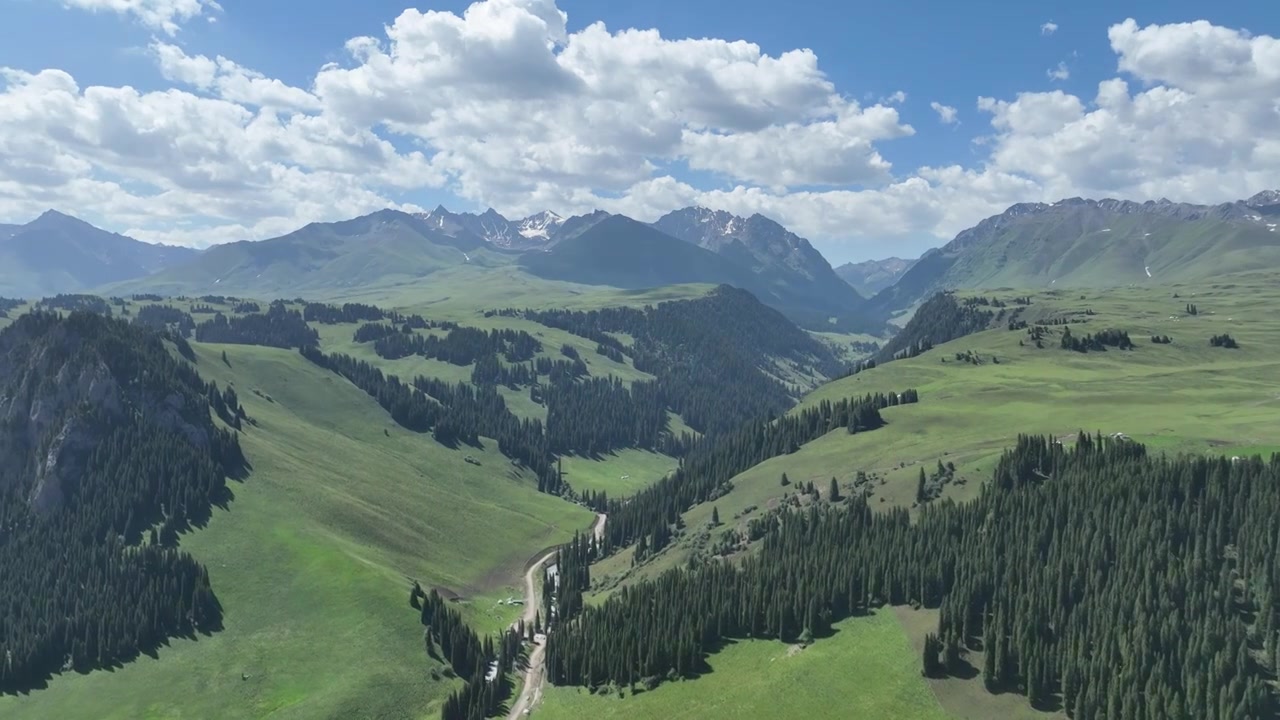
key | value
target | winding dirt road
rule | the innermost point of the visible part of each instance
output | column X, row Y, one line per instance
column 535, row 671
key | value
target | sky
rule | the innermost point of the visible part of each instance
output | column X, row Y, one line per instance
column 873, row 129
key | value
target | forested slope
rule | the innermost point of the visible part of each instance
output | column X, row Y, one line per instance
column 108, row 449
column 943, row 318
column 714, row 357
column 1096, row 579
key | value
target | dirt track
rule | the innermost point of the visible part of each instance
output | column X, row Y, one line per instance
column 535, row 672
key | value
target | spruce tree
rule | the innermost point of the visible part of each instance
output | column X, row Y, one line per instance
column 931, row 666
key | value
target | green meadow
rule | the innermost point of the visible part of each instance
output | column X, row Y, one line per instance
column 314, row 559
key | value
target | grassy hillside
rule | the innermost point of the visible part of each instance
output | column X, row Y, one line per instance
column 386, row 247
column 867, row 670
column 1182, row 397
column 312, row 563
column 1185, row 396
column 621, row 252
column 1096, row 244
column 459, row 292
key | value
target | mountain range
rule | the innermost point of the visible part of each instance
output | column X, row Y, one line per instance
column 58, row 253
column 535, row 232
column 384, row 247
column 1097, row 243
column 1069, row 243
column 787, row 264
column 871, row 276
column 694, row 245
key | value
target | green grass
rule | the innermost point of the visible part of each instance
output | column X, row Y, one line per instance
column 966, row 698
column 338, row 338
column 460, row 292
column 1067, row 248
column 868, row 669
column 1184, row 397
column 623, row 472
column 678, row 427
column 312, row 562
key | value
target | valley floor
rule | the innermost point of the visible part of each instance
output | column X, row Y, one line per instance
column 1182, row 397
column 344, row 509
column 868, row 669
column 314, row 560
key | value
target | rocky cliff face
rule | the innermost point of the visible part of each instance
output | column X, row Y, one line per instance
column 58, row 393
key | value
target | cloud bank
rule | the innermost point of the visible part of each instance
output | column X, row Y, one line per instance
column 503, row 106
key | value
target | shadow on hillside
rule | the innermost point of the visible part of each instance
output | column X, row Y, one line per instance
column 38, row 678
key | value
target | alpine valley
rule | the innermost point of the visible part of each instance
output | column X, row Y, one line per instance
column 454, row 465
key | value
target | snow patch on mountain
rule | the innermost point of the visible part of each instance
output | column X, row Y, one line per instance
column 542, row 226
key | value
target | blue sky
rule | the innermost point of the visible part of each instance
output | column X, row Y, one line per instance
column 945, row 53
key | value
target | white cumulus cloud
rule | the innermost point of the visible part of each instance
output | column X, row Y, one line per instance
column 1048, row 28
column 164, row 15
column 946, row 113
column 1059, row 72
column 502, row 105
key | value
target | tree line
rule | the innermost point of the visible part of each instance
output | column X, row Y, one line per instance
column 1096, row 342
column 481, row 662
column 1096, row 580
column 706, row 469
column 712, row 357
column 166, row 317
column 461, row 346
column 91, row 573
column 76, row 301
column 452, row 412
column 942, row 318
column 1223, row 341
column 593, row 416
column 489, row 370
column 279, row 327
column 350, row 313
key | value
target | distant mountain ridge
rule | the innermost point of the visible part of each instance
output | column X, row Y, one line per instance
column 623, row 252
column 871, row 276
column 626, row 253
column 57, row 253
column 785, row 262
column 384, row 246
column 535, row 232
column 1097, row 243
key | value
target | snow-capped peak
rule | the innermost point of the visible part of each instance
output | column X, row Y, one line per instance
column 540, row 226
column 1265, row 198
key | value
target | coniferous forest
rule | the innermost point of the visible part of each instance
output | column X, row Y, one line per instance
column 1095, row 579
column 453, row 413
column 461, row 346
column 278, row 327
column 483, row 664
column 108, row 451
column 939, row 319
column 710, row 356
column 704, row 474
